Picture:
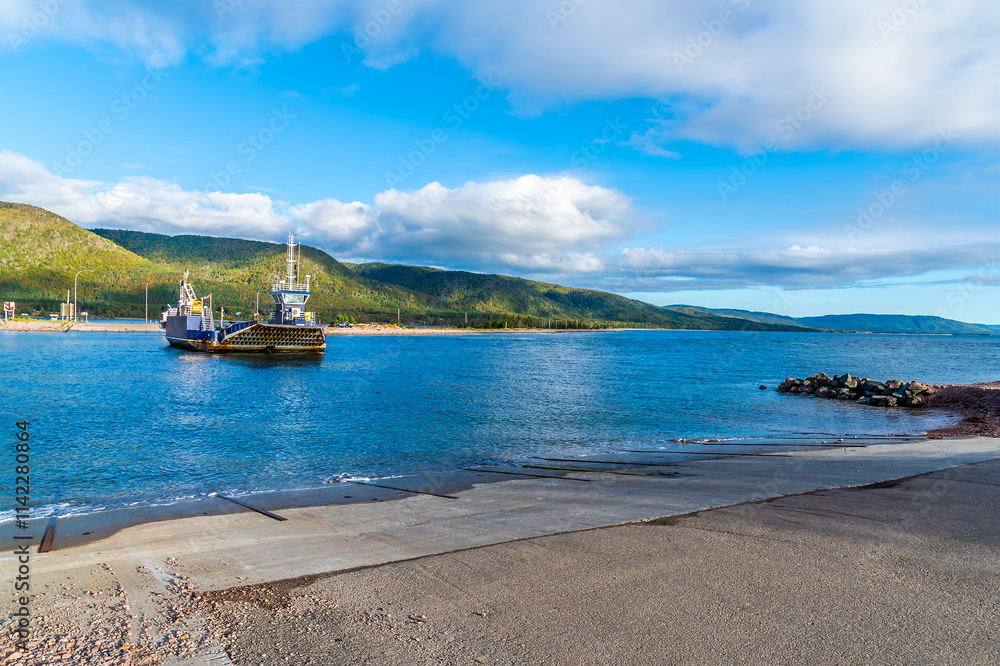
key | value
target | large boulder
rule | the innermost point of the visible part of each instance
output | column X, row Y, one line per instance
column 912, row 401
column 825, row 392
column 845, row 394
column 916, row 388
column 893, row 385
column 840, row 381
column 819, row 379
column 872, row 387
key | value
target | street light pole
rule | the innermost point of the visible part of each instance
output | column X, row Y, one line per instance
column 74, row 290
column 147, row 302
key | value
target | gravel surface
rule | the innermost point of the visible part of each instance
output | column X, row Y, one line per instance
column 89, row 619
column 902, row 572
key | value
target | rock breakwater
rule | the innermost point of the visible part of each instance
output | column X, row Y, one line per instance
column 864, row 391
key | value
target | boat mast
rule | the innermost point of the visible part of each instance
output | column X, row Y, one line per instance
column 290, row 260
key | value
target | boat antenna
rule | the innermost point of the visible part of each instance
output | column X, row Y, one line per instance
column 290, row 257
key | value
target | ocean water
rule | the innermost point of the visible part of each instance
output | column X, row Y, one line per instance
column 123, row 419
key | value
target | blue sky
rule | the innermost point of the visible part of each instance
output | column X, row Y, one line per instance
column 792, row 158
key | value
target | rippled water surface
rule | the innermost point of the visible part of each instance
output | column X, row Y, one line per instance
column 123, row 418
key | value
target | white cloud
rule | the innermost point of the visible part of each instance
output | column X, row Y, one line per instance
column 725, row 73
column 556, row 229
column 660, row 269
column 529, row 221
column 144, row 204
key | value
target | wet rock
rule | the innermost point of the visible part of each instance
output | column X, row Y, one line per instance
column 870, row 386
column 819, row 379
column 864, row 391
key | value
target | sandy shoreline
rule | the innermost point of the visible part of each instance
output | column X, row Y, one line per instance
column 39, row 326
column 111, row 326
column 157, row 591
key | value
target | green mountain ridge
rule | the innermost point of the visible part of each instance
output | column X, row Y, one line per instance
column 237, row 272
column 40, row 253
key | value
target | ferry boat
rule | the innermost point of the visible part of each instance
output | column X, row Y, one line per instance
column 289, row 328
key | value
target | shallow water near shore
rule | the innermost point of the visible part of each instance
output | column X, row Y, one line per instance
column 120, row 420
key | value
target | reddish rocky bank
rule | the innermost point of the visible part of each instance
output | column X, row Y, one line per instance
column 978, row 404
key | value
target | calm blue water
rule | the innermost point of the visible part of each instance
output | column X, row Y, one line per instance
column 123, row 418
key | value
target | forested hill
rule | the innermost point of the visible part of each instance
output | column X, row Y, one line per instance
column 477, row 292
column 41, row 252
column 375, row 291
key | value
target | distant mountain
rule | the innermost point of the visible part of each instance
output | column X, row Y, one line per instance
column 763, row 317
column 866, row 323
column 896, row 324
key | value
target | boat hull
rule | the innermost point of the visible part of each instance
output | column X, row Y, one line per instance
column 250, row 337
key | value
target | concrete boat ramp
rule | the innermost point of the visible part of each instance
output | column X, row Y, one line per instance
column 349, row 525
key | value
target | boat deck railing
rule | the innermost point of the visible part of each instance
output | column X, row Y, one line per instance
column 285, row 285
